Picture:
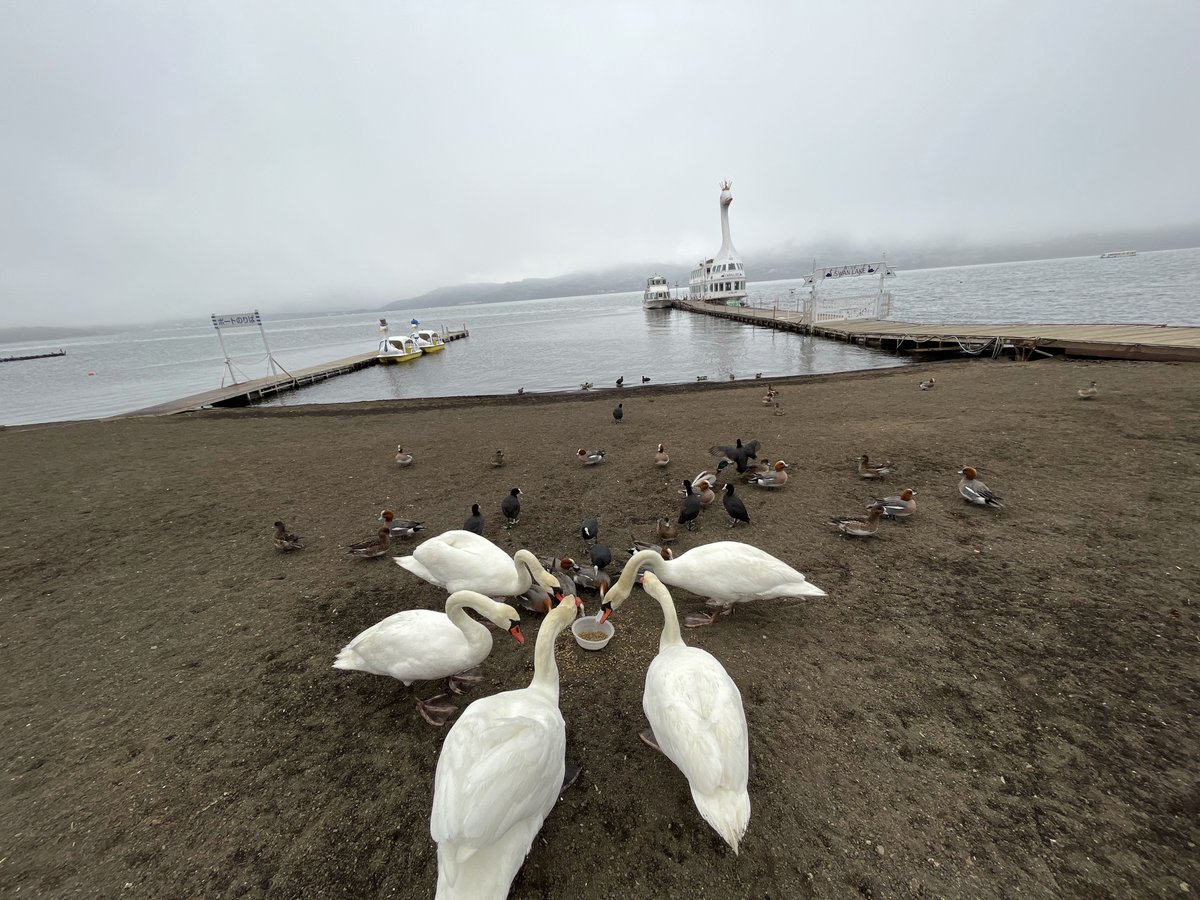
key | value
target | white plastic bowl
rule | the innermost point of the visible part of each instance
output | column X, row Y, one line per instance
column 591, row 623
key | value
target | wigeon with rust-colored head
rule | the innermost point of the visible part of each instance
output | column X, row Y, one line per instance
column 975, row 491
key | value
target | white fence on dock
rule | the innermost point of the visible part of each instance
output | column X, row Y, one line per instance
column 819, row 310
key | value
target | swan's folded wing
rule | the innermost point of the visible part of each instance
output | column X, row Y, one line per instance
column 695, row 710
column 496, row 771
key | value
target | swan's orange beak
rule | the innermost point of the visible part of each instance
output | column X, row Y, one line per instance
column 605, row 611
column 515, row 631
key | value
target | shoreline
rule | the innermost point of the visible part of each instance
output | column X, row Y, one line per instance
column 984, row 698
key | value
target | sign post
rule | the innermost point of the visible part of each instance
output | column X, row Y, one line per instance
column 237, row 320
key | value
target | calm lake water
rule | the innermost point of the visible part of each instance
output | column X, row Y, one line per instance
column 551, row 345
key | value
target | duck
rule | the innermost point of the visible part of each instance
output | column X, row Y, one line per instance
column 697, row 721
column 690, row 508
column 284, row 540
column 636, row 546
column 427, row 645
column 667, row 530
column 375, row 547
column 975, row 491
column 858, row 526
column 621, row 381
column 1088, row 393
column 510, row 506
column 661, row 458
column 739, row 454
column 724, row 572
column 618, row 413
column 400, row 528
column 539, row 598
column 403, row 460
column 898, row 507
column 769, row 396
column 927, row 385
column 709, row 476
column 463, row 560
column 586, row 386
column 867, row 469
column 474, row 522
column 593, row 578
column 499, row 774
column 705, row 493
column 589, row 529
column 735, row 507
column 645, row 379
column 776, row 478
column 753, row 469
column 498, row 459
column 590, row 457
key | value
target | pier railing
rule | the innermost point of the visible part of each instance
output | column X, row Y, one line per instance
column 807, row 310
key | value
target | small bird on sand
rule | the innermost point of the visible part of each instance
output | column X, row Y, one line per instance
column 600, row 555
column 775, row 478
column 589, row 530
column 645, row 379
column 858, row 526
column 619, row 413
column 285, row 540
column 400, row 528
column 689, row 509
column 927, row 385
column 511, row 507
column 586, row 386
column 520, row 391
column 739, row 454
column 975, row 491
column 667, row 531
column 660, row 456
column 867, row 469
column 769, row 396
column 1088, row 393
column 498, row 459
column 403, row 460
column 735, row 507
column 621, row 381
column 374, row 548
column 704, row 491
column 589, row 457
column 474, row 523
column 899, row 507
column 702, row 378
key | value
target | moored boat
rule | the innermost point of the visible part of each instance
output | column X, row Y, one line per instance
column 1112, row 254
column 401, row 348
column 427, row 341
column 721, row 278
column 657, row 294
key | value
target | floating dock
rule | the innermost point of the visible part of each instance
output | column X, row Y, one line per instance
column 33, row 356
column 247, row 393
column 1164, row 343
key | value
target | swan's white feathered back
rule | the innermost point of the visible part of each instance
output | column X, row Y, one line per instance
column 696, row 712
column 417, row 645
column 460, row 560
column 733, row 572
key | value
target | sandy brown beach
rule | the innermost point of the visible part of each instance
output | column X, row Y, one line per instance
column 989, row 703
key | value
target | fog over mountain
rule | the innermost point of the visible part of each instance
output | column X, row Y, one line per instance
column 170, row 160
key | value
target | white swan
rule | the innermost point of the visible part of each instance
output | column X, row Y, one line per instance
column 697, row 720
column 726, row 572
column 425, row 645
column 462, row 561
column 498, row 776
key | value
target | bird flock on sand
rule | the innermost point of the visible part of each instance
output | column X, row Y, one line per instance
column 503, row 762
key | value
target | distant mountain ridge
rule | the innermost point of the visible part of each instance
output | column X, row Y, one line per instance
column 795, row 262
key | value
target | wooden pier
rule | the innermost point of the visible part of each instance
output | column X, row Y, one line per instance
column 247, row 393
column 1147, row 342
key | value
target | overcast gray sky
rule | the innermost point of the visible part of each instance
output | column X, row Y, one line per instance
column 169, row 159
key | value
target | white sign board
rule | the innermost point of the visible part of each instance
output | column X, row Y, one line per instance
column 235, row 319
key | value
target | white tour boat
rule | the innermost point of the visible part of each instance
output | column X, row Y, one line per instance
column 1113, row 254
column 398, row 349
column 658, row 293
column 720, row 279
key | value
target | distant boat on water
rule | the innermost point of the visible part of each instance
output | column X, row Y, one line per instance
column 657, row 294
column 1113, row 254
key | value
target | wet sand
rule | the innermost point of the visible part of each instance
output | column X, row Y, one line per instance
column 990, row 703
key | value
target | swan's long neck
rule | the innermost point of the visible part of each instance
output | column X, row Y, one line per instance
column 671, row 636
column 524, row 561
column 545, row 668
column 619, row 592
column 456, row 612
column 727, row 249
